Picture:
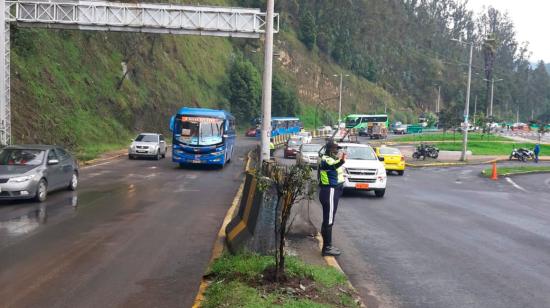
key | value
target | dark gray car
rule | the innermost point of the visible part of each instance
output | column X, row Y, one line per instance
column 32, row 171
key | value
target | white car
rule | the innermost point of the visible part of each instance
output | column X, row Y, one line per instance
column 305, row 136
column 148, row 145
column 363, row 169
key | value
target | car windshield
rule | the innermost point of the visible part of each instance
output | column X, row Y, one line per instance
column 294, row 143
column 200, row 131
column 147, row 138
column 21, row 157
column 360, row 153
column 311, row 148
column 389, row 151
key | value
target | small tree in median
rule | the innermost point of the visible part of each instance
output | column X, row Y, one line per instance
column 293, row 184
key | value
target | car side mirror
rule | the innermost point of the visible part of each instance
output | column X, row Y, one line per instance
column 172, row 123
column 381, row 158
column 53, row 161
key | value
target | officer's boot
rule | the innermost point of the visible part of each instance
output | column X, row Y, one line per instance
column 328, row 249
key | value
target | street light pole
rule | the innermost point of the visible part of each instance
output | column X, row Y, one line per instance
column 340, row 101
column 467, row 107
column 437, row 108
column 492, row 95
column 267, row 82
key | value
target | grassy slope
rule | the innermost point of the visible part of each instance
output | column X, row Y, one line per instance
column 65, row 84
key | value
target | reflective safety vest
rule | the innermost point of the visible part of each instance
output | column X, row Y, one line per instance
column 331, row 172
column 271, row 146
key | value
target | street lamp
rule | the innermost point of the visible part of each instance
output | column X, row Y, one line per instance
column 340, row 97
column 467, row 107
column 492, row 94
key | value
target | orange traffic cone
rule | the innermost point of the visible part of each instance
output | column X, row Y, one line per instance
column 494, row 176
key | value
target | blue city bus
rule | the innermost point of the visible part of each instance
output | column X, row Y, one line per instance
column 283, row 126
column 202, row 136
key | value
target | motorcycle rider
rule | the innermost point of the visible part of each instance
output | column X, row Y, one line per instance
column 331, row 183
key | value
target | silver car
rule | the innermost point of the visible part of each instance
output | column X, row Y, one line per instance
column 308, row 154
column 148, row 145
column 32, row 171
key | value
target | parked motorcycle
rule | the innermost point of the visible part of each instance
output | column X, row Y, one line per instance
column 424, row 150
column 528, row 154
column 517, row 154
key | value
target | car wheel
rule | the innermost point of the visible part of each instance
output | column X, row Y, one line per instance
column 380, row 193
column 158, row 155
column 164, row 154
column 130, row 157
column 41, row 191
column 401, row 173
column 74, row 181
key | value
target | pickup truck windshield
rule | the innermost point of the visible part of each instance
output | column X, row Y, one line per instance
column 360, row 153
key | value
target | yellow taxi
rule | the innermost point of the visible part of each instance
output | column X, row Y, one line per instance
column 394, row 160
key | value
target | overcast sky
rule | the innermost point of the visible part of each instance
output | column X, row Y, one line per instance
column 531, row 19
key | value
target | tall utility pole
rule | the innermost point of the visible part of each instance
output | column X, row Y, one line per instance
column 437, row 108
column 340, row 101
column 267, row 82
column 475, row 110
column 467, row 106
column 340, row 96
column 492, row 94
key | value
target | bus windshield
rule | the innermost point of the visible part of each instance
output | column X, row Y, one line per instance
column 201, row 131
column 352, row 121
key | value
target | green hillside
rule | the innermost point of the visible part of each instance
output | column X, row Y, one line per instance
column 91, row 91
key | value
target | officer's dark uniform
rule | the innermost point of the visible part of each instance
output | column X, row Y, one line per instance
column 331, row 182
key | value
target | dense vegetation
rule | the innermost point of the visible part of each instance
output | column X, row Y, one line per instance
column 90, row 90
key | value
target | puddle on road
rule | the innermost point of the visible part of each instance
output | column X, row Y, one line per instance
column 27, row 219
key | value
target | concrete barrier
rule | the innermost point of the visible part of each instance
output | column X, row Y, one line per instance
column 252, row 229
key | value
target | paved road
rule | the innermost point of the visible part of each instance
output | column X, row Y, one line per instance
column 445, row 237
column 449, row 238
column 136, row 234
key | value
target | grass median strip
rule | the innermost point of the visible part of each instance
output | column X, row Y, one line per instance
column 503, row 171
column 244, row 280
column 450, row 137
column 489, row 148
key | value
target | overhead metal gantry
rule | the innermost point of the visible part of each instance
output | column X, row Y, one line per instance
column 113, row 16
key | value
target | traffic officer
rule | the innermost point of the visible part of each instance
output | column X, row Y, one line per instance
column 271, row 147
column 331, row 182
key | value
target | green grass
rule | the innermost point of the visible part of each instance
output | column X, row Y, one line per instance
column 449, row 137
column 517, row 170
column 489, row 148
column 238, row 283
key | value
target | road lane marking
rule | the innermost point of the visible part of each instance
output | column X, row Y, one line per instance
column 515, row 185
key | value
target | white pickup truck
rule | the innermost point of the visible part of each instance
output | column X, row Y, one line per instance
column 363, row 170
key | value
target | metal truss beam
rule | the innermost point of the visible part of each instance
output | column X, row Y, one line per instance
column 139, row 17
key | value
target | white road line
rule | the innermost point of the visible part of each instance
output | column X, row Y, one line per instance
column 515, row 185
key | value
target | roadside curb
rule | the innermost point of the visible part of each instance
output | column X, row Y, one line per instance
column 97, row 161
column 332, row 262
column 219, row 244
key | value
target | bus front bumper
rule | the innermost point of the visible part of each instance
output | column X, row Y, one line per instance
column 181, row 157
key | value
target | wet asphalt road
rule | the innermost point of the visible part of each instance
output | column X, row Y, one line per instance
column 135, row 234
column 446, row 237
